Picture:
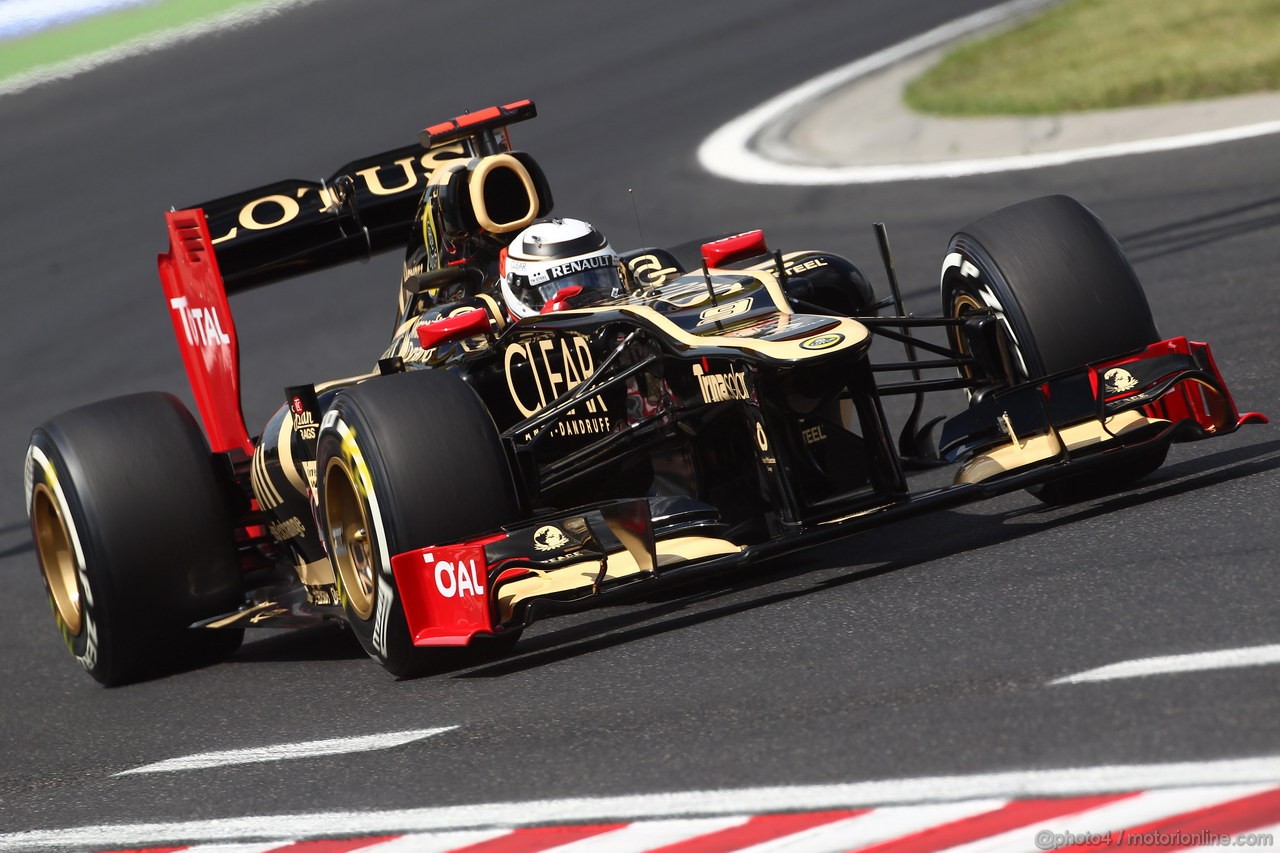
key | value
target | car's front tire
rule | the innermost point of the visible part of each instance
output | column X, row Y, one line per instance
column 1066, row 295
column 404, row 461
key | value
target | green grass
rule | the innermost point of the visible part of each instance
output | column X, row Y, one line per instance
column 1102, row 54
column 103, row 31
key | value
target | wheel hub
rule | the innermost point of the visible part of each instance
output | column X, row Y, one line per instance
column 348, row 528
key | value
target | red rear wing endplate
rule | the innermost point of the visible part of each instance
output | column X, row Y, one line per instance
column 202, row 323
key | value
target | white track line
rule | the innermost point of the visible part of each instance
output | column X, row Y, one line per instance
column 728, row 152
column 937, row 789
column 1200, row 661
column 287, row 751
column 149, row 43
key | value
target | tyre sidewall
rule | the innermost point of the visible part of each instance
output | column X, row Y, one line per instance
column 45, row 467
column 978, row 278
column 384, row 634
column 1057, row 279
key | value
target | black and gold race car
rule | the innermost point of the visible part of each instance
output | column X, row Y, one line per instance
column 719, row 406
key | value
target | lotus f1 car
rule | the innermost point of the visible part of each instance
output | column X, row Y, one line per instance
column 495, row 469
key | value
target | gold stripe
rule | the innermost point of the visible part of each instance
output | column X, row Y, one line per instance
column 855, row 334
column 262, row 484
column 285, row 443
column 343, row 383
column 253, row 476
column 582, row 575
column 1012, row 456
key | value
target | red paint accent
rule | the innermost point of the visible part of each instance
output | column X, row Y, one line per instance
column 204, row 328
column 533, row 839
column 148, row 850
column 979, row 826
column 459, row 262
column 466, row 325
column 560, row 301
column 511, row 575
column 487, row 114
column 1192, row 829
column 346, row 845
column 445, row 597
column 1241, row 419
column 748, row 244
column 1216, row 413
column 758, row 830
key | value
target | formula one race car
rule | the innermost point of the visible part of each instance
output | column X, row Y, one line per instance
column 556, row 426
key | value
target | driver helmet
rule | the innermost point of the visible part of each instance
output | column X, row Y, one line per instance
column 551, row 256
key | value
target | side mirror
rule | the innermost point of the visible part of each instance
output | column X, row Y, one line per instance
column 560, row 301
column 447, row 329
column 736, row 247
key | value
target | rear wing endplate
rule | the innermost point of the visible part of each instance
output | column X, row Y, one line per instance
column 202, row 323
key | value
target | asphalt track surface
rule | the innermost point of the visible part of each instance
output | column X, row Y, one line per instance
column 923, row 648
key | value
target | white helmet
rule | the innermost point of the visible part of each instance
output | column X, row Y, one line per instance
column 550, row 258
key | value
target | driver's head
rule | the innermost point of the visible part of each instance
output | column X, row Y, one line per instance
column 564, row 258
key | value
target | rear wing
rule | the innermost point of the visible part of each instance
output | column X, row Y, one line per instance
column 290, row 228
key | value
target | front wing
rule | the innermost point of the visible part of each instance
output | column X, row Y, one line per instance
column 1065, row 425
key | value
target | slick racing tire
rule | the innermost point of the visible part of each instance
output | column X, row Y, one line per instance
column 133, row 535
column 1066, row 296
column 405, row 461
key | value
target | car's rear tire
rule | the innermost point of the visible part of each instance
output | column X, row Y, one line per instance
column 133, row 535
column 404, row 461
column 1067, row 296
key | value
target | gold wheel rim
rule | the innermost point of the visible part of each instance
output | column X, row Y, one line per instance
column 57, row 557
column 350, row 544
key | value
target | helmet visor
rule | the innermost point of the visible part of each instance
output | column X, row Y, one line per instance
column 597, row 285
